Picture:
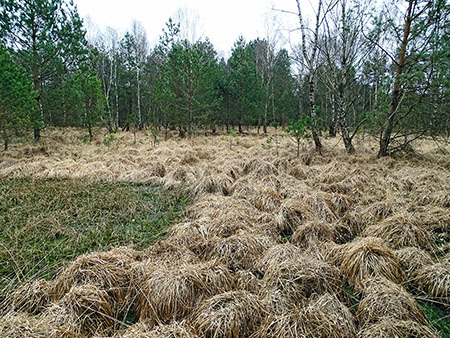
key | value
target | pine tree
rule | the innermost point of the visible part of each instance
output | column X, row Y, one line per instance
column 16, row 98
column 45, row 33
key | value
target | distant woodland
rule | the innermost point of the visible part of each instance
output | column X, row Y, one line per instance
column 357, row 67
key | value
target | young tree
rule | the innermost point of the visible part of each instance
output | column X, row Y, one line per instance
column 93, row 100
column 43, row 32
column 246, row 89
column 344, row 50
column 188, row 77
column 16, row 98
column 308, row 58
column 418, row 51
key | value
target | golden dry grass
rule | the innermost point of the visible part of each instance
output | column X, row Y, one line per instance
column 397, row 328
column 266, row 248
column 170, row 292
column 231, row 314
column 369, row 257
column 382, row 299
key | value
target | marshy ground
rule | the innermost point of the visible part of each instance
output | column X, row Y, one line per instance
column 222, row 236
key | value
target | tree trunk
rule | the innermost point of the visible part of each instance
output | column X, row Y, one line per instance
column 385, row 136
column 91, row 136
column 36, row 83
column 138, row 82
column 312, row 104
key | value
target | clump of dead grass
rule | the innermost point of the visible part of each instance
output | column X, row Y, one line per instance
column 170, row 292
column 167, row 251
column 278, row 254
column 231, row 314
column 301, row 277
column 292, row 213
column 391, row 328
column 145, row 329
column 434, row 280
column 110, row 271
column 412, row 259
column 31, row 297
column 194, row 236
column 401, row 231
column 23, row 325
column 85, row 310
column 248, row 281
column 326, row 316
column 259, row 168
column 287, row 324
column 382, row 298
column 240, row 251
column 310, row 233
column 213, row 184
column 368, row 257
column 266, row 200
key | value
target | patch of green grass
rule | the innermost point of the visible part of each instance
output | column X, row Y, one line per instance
column 44, row 223
column 437, row 316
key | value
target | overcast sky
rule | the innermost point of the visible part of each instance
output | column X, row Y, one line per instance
column 221, row 21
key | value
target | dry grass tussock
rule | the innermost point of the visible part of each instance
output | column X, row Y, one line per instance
column 382, row 298
column 170, row 292
column 434, row 280
column 231, row 314
column 368, row 257
column 390, row 328
column 266, row 247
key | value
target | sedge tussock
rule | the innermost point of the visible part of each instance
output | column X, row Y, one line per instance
column 170, row 292
column 310, row 233
column 292, row 213
column 368, row 257
column 278, row 254
column 213, row 184
column 259, row 168
column 240, row 251
column 243, row 187
column 326, row 316
column 390, row 328
column 434, row 280
column 333, row 172
column 217, row 206
column 321, row 207
column 110, row 271
column 247, row 280
column 189, row 158
column 271, row 182
column 166, row 251
column 31, row 297
column 178, row 174
column 266, row 200
column 23, row 325
column 283, row 165
column 229, row 315
column 412, row 259
column 145, row 329
column 382, row 298
column 377, row 211
column 299, row 172
column 287, row 324
column 84, row 310
column 191, row 235
column 401, row 231
column 301, row 277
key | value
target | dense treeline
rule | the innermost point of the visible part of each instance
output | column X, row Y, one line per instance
column 384, row 70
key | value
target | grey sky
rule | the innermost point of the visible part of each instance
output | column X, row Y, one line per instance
column 221, row 21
